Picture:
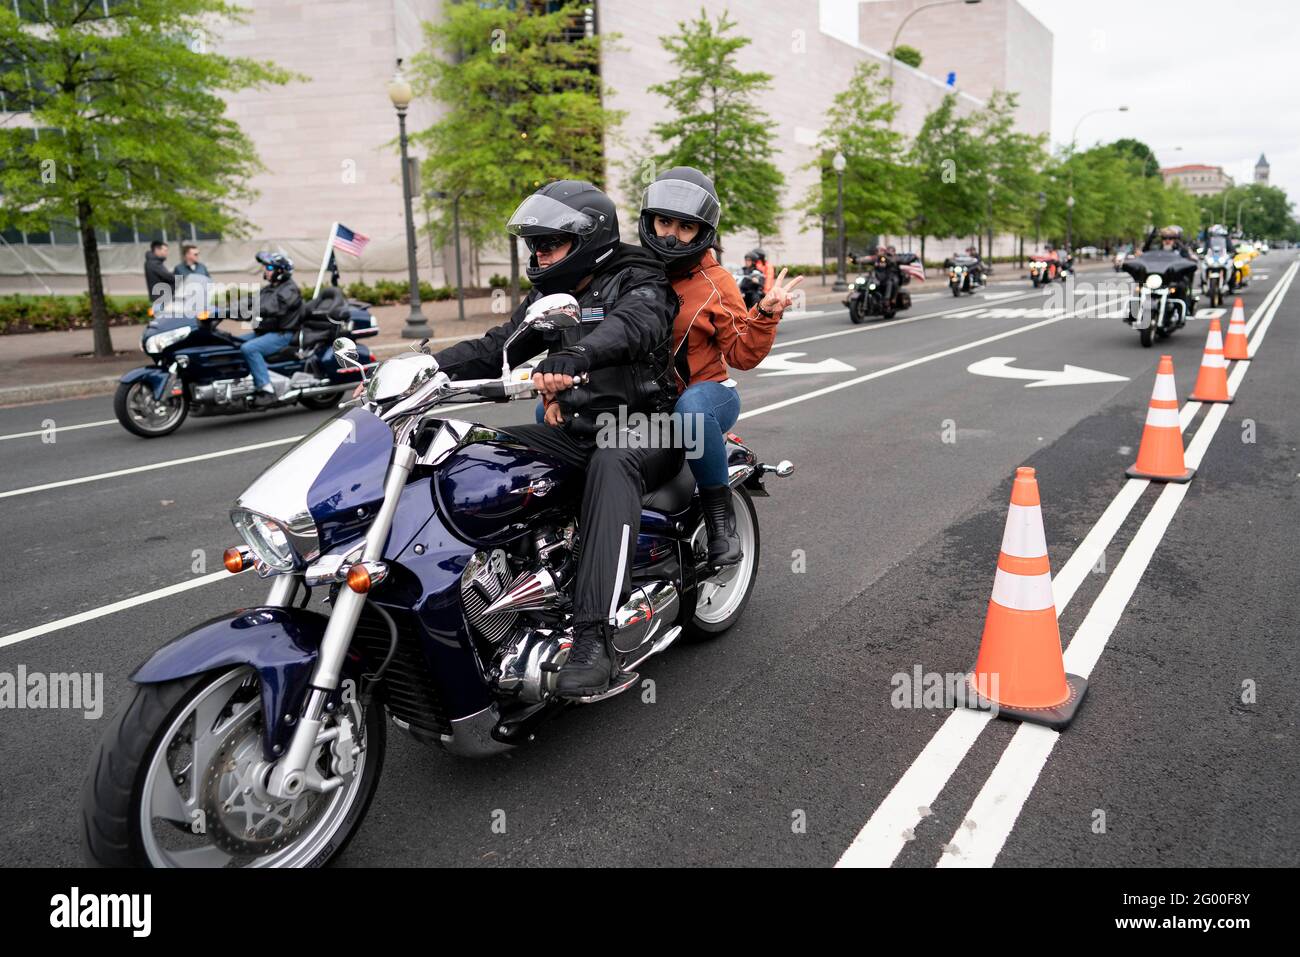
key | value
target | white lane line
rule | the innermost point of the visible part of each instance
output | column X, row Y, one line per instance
column 115, row 607
column 183, row 461
column 920, row 360
column 980, row 837
column 892, row 824
column 887, row 324
column 150, row 468
column 61, row 428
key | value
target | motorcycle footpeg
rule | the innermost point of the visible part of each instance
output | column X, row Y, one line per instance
column 617, row 685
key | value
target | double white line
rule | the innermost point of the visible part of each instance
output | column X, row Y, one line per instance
column 982, row 834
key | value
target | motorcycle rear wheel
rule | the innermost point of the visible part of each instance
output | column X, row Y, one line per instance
column 319, row 403
column 721, row 598
column 135, row 810
column 135, row 408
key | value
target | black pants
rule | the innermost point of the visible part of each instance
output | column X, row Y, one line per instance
column 611, row 510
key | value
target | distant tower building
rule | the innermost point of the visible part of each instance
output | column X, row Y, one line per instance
column 1261, row 171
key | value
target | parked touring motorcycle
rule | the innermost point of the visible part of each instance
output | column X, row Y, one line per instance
column 198, row 369
column 1164, row 300
column 446, row 552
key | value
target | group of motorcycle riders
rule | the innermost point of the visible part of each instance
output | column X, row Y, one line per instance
column 660, row 324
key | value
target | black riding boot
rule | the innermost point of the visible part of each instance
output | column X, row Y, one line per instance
column 587, row 670
column 720, row 520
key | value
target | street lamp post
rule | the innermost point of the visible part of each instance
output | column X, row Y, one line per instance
column 1069, row 202
column 894, row 45
column 838, row 163
column 400, row 94
column 1038, row 219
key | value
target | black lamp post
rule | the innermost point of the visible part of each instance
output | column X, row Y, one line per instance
column 399, row 92
column 841, row 279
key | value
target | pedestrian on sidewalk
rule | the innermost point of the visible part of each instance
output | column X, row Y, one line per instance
column 159, row 281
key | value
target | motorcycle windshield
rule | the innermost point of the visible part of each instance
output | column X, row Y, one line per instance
column 1169, row 265
column 325, row 490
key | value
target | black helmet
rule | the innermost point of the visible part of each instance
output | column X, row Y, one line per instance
column 280, row 265
column 758, row 255
column 574, row 209
column 684, row 193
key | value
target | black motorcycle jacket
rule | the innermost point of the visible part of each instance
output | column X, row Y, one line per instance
column 280, row 307
column 625, row 330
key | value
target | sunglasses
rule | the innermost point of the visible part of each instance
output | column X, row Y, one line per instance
column 546, row 244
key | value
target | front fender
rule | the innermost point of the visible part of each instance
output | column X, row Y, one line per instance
column 280, row 643
column 154, row 376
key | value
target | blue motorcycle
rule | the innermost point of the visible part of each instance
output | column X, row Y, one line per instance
column 197, row 368
column 446, row 554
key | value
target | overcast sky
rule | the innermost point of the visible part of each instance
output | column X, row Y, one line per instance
column 1219, row 78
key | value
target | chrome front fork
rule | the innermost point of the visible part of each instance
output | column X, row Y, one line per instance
column 288, row 777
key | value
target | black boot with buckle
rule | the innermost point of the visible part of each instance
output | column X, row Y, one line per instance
column 720, row 520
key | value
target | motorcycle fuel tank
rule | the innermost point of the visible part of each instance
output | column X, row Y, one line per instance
column 491, row 491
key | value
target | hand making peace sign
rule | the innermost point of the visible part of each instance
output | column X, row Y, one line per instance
column 779, row 296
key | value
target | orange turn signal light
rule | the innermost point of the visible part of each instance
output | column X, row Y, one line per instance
column 203, row 314
column 363, row 576
column 234, row 560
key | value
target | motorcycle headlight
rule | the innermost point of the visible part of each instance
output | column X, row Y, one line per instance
column 1154, row 281
column 267, row 538
column 1239, row 263
column 163, row 340
column 871, row 286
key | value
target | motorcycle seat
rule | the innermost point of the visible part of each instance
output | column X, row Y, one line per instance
column 331, row 304
column 674, row 495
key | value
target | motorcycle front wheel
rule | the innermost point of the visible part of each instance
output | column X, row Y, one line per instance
column 142, row 415
column 178, row 781
column 1144, row 336
column 721, row 598
column 857, row 313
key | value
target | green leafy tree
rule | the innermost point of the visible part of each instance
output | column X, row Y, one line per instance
column 713, row 122
column 131, row 122
column 906, row 54
column 946, row 161
column 1266, row 212
column 521, row 94
column 1007, row 172
column 1139, row 151
column 878, row 196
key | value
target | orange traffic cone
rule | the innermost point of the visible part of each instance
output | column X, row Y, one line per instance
column 1020, row 670
column 1160, row 456
column 1235, row 346
column 1212, row 380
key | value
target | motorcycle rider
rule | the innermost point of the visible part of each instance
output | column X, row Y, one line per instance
column 279, row 313
column 714, row 329
column 1171, row 240
column 623, row 343
column 752, row 282
column 888, row 274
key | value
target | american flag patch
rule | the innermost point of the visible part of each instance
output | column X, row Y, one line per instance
column 594, row 314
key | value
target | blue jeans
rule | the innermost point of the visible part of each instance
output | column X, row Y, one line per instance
column 257, row 347
column 717, row 406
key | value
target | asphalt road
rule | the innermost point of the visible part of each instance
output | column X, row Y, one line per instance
column 777, row 744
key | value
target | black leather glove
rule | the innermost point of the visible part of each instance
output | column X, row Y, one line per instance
column 573, row 361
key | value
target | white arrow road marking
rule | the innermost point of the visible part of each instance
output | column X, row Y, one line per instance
column 784, row 364
column 1214, row 313
column 999, row 367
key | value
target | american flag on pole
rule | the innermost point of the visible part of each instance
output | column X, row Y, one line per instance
column 915, row 270
column 348, row 241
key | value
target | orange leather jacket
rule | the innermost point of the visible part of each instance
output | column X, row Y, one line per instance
column 713, row 326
